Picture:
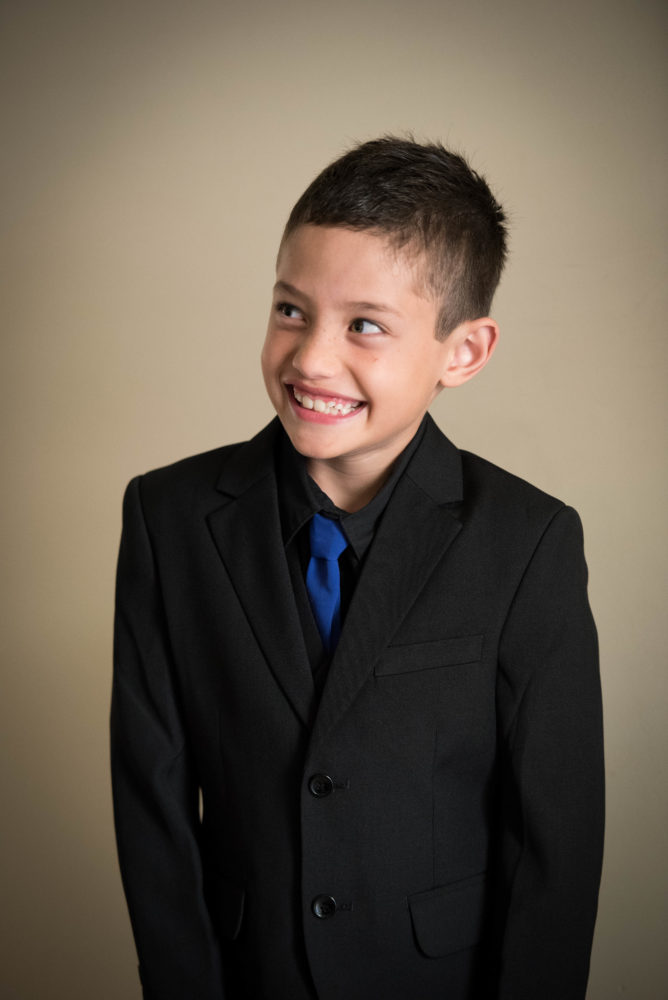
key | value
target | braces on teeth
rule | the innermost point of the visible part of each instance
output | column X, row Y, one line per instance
column 320, row 406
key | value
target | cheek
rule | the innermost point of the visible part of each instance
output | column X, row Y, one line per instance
column 271, row 350
column 264, row 358
column 269, row 368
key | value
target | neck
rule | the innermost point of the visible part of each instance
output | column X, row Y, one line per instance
column 351, row 481
column 348, row 488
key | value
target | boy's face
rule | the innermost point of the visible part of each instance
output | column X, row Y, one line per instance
column 350, row 361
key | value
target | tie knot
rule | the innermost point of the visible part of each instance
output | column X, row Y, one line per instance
column 327, row 538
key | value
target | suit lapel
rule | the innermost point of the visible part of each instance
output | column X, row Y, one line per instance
column 247, row 534
column 418, row 526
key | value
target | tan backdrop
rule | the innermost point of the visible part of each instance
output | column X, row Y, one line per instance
column 152, row 151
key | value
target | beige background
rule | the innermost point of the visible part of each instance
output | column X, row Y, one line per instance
column 151, row 152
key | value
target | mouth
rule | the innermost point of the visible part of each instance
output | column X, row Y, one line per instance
column 328, row 406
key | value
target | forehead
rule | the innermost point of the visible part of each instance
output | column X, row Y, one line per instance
column 356, row 259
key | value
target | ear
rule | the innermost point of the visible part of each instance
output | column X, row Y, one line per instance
column 471, row 345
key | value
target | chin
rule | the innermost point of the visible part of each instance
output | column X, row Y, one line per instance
column 308, row 445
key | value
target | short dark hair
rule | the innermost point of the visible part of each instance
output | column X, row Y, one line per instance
column 426, row 200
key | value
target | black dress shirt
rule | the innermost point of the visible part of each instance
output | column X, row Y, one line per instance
column 300, row 498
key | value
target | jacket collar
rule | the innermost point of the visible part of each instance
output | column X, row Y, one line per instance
column 246, row 530
column 420, row 523
column 435, row 468
column 250, row 462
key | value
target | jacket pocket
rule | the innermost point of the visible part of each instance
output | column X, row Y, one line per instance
column 450, row 918
column 430, row 655
column 226, row 905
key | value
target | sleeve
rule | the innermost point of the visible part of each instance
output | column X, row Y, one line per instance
column 155, row 791
column 549, row 698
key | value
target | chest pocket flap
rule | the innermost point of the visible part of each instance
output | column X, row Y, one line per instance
column 430, row 655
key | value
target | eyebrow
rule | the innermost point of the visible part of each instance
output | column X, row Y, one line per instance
column 284, row 286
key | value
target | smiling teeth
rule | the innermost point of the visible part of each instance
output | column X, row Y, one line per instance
column 321, row 406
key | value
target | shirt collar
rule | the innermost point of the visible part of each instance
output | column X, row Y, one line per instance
column 301, row 497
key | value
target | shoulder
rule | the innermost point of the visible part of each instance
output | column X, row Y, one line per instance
column 493, row 505
column 450, row 474
column 487, row 482
column 197, row 479
column 203, row 467
column 511, row 513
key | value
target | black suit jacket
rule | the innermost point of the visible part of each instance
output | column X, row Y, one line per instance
column 432, row 828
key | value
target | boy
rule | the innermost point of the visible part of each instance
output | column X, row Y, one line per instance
column 371, row 654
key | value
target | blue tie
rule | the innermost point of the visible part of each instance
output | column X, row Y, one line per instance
column 322, row 577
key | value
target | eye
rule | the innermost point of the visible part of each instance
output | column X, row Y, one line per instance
column 364, row 326
column 288, row 310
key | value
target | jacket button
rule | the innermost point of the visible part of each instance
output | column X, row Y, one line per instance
column 320, row 785
column 324, row 906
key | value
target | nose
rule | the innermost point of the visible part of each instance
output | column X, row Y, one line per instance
column 316, row 356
